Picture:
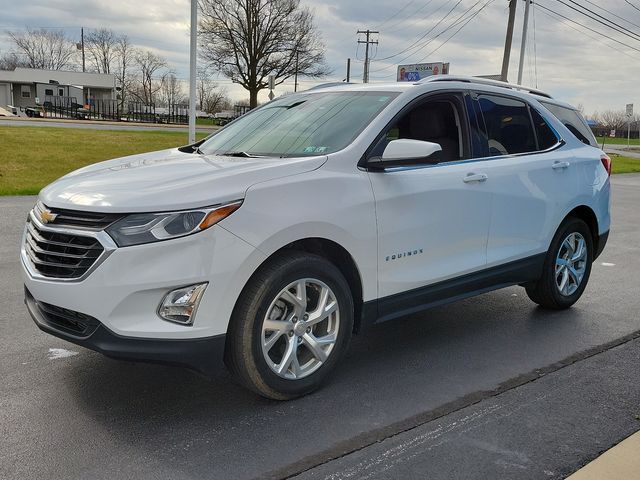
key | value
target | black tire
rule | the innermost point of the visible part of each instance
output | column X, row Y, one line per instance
column 243, row 352
column 545, row 292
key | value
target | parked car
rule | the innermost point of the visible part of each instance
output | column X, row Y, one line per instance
column 311, row 218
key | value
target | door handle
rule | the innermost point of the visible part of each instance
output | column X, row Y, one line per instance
column 475, row 177
column 557, row 165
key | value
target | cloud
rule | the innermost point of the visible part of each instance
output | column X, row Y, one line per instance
column 575, row 65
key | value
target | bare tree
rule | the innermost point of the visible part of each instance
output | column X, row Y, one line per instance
column 11, row 61
column 47, row 49
column 211, row 98
column 248, row 40
column 125, row 57
column 611, row 119
column 151, row 74
column 102, row 45
column 171, row 92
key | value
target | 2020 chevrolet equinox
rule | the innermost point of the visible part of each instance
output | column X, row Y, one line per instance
column 273, row 240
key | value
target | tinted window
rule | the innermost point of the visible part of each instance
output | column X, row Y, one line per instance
column 573, row 120
column 300, row 125
column 48, row 91
column 546, row 137
column 435, row 120
column 508, row 124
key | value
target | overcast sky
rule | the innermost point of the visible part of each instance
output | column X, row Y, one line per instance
column 569, row 61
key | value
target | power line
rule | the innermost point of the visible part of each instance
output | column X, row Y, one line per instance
column 554, row 16
column 589, row 28
column 604, row 18
column 612, row 13
column 632, row 5
column 458, row 30
column 397, row 13
column 399, row 21
column 599, row 21
column 427, row 33
column 453, row 24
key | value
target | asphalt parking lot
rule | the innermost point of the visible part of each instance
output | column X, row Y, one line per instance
column 490, row 387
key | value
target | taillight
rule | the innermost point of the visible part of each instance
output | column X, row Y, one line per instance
column 606, row 162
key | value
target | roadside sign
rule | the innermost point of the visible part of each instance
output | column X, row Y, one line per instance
column 271, row 95
column 629, row 109
column 418, row 71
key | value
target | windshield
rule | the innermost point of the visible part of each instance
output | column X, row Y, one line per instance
column 300, row 125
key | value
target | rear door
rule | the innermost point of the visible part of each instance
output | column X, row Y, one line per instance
column 530, row 175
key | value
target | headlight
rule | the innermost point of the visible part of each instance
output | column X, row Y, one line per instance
column 139, row 228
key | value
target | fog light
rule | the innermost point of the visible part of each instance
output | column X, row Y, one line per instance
column 180, row 305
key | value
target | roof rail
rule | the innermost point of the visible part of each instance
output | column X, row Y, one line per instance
column 482, row 81
column 329, row 84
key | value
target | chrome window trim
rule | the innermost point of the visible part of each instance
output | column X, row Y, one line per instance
column 468, row 160
column 101, row 236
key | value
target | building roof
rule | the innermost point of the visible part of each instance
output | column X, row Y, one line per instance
column 33, row 75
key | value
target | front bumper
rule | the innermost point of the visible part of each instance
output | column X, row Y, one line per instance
column 126, row 289
column 201, row 354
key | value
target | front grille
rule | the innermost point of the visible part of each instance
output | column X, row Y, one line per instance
column 60, row 255
column 65, row 320
column 77, row 219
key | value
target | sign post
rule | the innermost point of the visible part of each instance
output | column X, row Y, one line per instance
column 629, row 117
column 272, row 85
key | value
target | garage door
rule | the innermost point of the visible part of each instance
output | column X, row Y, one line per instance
column 4, row 95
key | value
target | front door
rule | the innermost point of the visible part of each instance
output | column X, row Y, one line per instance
column 433, row 220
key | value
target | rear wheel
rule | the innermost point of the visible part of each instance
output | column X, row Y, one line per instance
column 566, row 268
column 290, row 327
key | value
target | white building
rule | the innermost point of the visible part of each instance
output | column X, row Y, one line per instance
column 21, row 87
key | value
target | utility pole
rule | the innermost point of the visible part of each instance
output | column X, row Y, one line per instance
column 523, row 45
column 508, row 40
column 192, row 71
column 82, row 42
column 367, row 42
column 348, row 69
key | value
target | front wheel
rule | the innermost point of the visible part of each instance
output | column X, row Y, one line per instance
column 567, row 267
column 290, row 327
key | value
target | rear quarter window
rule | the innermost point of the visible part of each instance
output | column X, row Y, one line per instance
column 574, row 121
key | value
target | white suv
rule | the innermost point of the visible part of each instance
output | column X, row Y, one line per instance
column 314, row 216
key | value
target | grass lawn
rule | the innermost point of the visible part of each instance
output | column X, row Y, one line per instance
column 618, row 141
column 204, row 121
column 32, row 157
column 624, row 164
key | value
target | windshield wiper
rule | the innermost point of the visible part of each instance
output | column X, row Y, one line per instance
column 237, row 154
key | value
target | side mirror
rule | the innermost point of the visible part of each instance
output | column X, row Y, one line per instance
column 406, row 152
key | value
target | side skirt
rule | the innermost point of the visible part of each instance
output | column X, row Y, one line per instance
column 413, row 301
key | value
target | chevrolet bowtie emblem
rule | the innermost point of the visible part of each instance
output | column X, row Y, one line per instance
column 47, row 216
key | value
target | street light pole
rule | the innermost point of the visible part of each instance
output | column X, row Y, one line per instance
column 192, row 71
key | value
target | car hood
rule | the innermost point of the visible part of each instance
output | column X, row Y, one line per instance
column 167, row 180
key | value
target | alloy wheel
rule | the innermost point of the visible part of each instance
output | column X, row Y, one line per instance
column 571, row 264
column 300, row 328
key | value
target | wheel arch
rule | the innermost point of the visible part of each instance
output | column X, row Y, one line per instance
column 338, row 256
column 342, row 259
column 586, row 214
